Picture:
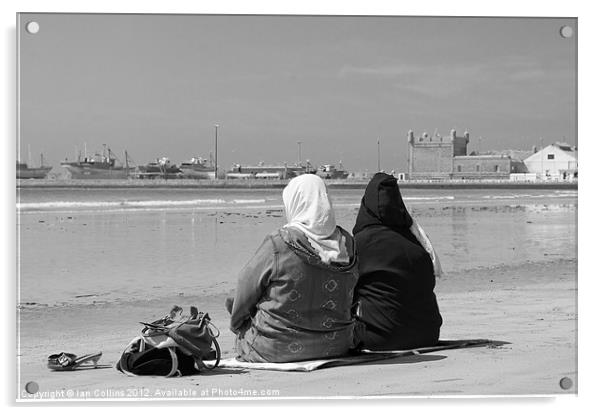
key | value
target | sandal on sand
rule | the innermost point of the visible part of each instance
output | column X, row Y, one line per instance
column 68, row 361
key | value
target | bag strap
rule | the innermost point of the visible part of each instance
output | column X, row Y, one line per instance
column 210, row 327
column 218, row 355
column 214, row 335
column 172, row 353
column 128, row 349
column 174, row 362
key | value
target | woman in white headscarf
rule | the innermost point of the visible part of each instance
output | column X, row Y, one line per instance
column 293, row 298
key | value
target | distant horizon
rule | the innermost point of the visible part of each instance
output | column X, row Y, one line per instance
column 155, row 85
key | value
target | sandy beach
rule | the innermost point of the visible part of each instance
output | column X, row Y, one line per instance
column 532, row 308
column 510, row 262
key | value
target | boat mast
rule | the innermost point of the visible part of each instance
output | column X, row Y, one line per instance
column 127, row 166
column 216, row 127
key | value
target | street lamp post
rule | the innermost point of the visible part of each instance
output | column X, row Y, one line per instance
column 541, row 157
column 378, row 147
column 216, row 127
column 299, row 152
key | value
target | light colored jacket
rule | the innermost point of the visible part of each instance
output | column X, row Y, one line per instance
column 291, row 306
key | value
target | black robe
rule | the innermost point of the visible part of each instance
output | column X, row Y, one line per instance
column 395, row 290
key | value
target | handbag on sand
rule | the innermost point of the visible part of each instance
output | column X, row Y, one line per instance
column 174, row 345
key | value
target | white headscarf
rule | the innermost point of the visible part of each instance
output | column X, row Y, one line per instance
column 308, row 208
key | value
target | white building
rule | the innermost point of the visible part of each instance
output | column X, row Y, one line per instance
column 555, row 162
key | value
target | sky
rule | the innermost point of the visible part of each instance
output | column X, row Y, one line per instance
column 155, row 85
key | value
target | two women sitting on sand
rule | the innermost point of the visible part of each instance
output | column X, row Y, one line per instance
column 294, row 298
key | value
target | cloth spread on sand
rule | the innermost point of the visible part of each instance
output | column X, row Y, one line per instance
column 308, row 208
column 397, row 278
column 365, row 356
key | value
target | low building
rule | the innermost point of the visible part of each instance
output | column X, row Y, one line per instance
column 558, row 161
column 494, row 166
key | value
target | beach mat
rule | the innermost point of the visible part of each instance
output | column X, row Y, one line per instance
column 363, row 357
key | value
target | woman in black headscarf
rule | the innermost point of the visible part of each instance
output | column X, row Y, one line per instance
column 397, row 305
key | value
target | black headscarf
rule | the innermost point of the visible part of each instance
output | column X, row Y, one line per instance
column 382, row 205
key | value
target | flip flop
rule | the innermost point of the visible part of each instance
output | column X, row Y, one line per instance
column 68, row 361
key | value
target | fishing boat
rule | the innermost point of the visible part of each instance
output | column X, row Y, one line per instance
column 99, row 166
column 329, row 171
column 198, row 168
column 161, row 168
column 299, row 168
column 263, row 171
column 25, row 172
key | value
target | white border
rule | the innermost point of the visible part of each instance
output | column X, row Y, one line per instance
column 589, row 98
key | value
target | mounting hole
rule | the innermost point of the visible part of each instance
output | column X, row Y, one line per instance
column 32, row 27
column 32, row 387
column 566, row 383
column 566, row 32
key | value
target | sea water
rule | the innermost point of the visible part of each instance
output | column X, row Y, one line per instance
column 104, row 245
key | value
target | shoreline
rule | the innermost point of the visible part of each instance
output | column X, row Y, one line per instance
column 278, row 184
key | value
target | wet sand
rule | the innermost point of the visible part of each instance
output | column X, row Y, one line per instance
column 105, row 246
column 532, row 307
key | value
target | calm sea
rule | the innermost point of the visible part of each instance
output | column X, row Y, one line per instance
column 86, row 245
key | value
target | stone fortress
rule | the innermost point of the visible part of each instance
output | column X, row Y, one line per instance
column 440, row 157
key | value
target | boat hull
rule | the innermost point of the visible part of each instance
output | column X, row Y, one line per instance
column 333, row 175
column 268, row 172
column 192, row 173
column 155, row 171
column 33, row 172
column 89, row 172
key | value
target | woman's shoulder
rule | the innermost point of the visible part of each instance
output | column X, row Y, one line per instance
column 284, row 239
column 376, row 233
column 269, row 244
column 382, row 237
column 292, row 239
